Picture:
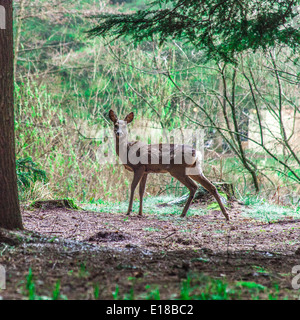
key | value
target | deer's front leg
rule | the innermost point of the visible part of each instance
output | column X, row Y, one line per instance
column 141, row 191
column 137, row 176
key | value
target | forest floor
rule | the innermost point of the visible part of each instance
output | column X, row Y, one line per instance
column 77, row 254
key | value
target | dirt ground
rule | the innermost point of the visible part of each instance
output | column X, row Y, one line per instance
column 91, row 254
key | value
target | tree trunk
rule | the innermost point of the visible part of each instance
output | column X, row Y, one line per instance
column 10, row 216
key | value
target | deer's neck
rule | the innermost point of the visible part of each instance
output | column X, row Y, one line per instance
column 122, row 148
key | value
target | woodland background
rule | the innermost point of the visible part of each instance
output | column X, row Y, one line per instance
column 65, row 83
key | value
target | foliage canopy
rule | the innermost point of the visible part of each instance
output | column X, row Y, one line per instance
column 220, row 28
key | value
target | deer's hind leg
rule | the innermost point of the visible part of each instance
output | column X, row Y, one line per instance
column 212, row 189
column 189, row 183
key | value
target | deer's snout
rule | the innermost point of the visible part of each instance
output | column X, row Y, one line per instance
column 119, row 133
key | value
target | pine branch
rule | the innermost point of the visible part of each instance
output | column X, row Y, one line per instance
column 221, row 28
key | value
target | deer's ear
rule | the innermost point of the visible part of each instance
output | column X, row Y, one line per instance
column 129, row 117
column 112, row 116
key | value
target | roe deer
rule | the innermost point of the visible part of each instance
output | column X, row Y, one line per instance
column 143, row 159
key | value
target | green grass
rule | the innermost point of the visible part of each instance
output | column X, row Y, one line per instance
column 259, row 209
column 150, row 206
column 196, row 286
column 30, row 289
column 255, row 207
column 150, row 229
column 203, row 287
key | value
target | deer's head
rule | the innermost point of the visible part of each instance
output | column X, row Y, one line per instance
column 120, row 126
